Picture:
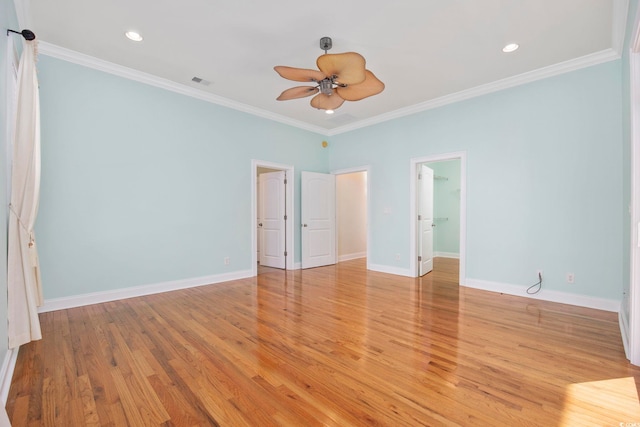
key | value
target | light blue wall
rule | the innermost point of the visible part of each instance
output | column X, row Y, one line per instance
column 446, row 206
column 142, row 186
column 544, row 180
column 7, row 20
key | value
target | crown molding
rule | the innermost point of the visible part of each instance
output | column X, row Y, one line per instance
column 69, row 55
column 528, row 77
column 55, row 51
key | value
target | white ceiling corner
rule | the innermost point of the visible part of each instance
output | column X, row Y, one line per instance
column 619, row 24
column 23, row 12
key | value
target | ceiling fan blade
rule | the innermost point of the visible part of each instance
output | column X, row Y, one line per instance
column 348, row 67
column 297, row 92
column 369, row 87
column 327, row 102
column 299, row 74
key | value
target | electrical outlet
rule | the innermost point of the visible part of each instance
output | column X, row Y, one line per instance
column 226, row 260
column 571, row 278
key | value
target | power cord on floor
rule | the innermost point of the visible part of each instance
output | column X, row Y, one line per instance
column 538, row 285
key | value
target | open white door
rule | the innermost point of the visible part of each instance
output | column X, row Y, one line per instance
column 272, row 214
column 318, row 210
column 425, row 219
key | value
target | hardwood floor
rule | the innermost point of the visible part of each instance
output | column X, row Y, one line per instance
column 335, row 346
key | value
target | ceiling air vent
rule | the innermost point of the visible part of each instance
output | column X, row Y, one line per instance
column 201, row 81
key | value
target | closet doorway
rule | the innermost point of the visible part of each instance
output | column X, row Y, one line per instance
column 438, row 224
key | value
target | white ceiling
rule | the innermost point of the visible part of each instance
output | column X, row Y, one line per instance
column 423, row 50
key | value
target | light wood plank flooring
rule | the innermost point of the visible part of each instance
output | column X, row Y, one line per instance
column 334, row 346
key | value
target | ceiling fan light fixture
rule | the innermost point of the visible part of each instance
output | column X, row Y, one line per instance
column 511, row 47
column 339, row 74
column 134, row 36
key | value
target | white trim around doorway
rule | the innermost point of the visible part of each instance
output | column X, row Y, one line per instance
column 413, row 208
column 366, row 169
column 630, row 309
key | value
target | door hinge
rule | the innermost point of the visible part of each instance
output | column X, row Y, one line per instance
column 419, row 176
column 285, row 217
column 285, row 253
column 419, row 217
column 419, row 258
column 285, row 181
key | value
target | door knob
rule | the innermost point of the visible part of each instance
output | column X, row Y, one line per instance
column 259, row 224
column 304, row 225
column 433, row 225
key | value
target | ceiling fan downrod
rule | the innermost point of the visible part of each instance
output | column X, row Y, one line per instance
column 326, row 44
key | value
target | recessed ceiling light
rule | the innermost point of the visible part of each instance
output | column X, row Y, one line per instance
column 329, row 111
column 510, row 47
column 132, row 35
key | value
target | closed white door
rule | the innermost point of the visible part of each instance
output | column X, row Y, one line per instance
column 258, row 221
column 272, row 214
column 425, row 219
column 318, row 217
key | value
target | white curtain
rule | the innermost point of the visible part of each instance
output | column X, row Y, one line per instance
column 25, row 290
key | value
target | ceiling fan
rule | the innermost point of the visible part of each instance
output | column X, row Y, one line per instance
column 342, row 77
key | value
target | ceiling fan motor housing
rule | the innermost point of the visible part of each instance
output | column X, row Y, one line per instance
column 326, row 86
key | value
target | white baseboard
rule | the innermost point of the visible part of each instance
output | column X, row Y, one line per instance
column 137, row 291
column 546, row 295
column 6, row 373
column 391, row 270
column 446, row 255
column 623, row 320
column 348, row 257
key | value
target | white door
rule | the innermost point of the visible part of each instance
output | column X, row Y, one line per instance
column 318, row 218
column 258, row 222
column 425, row 219
column 272, row 214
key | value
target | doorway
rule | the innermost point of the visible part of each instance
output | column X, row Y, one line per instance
column 352, row 207
column 446, row 216
column 284, row 202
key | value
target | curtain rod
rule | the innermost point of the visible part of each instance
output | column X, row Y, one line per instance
column 27, row 34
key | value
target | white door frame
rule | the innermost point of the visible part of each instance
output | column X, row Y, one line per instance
column 366, row 169
column 633, row 348
column 289, row 241
column 413, row 209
